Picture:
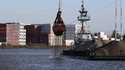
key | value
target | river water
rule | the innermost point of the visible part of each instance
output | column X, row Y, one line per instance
column 43, row 59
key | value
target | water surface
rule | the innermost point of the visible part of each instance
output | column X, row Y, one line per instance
column 42, row 59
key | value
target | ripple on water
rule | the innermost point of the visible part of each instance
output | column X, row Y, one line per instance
column 48, row 62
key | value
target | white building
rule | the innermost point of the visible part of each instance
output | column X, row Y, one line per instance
column 22, row 35
column 70, row 34
column 16, row 34
column 103, row 36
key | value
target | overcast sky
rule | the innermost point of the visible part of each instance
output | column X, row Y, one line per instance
column 44, row 11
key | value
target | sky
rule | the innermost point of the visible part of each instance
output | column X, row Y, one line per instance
column 44, row 11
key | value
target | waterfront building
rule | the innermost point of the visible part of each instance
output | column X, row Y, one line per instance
column 70, row 31
column 22, row 35
column 37, row 34
column 2, row 33
column 70, row 34
column 15, row 34
column 12, row 33
column 44, row 28
column 43, row 33
column 30, row 34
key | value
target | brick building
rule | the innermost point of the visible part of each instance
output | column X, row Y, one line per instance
column 37, row 33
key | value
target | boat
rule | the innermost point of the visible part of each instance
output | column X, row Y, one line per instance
column 84, row 40
column 86, row 44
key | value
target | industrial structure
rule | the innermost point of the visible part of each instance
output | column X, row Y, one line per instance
column 118, row 28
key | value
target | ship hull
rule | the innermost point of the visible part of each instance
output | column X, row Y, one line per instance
column 85, row 55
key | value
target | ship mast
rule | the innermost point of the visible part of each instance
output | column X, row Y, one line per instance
column 83, row 17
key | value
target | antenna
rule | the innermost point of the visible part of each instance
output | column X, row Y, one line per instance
column 82, row 3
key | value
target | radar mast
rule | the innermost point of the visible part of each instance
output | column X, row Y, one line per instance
column 83, row 17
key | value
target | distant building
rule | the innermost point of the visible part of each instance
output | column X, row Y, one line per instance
column 37, row 33
column 101, row 35
column 12, row 33
column 30, row 34
column 44, row 28
column 22, row 35
column 43, row 33
column 2, row 33
column 70, row 34
column 15, row 34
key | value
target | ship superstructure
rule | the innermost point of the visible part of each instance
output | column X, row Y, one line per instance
column 83, row 38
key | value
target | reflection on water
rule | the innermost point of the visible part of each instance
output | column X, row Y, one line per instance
column 42, row 59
